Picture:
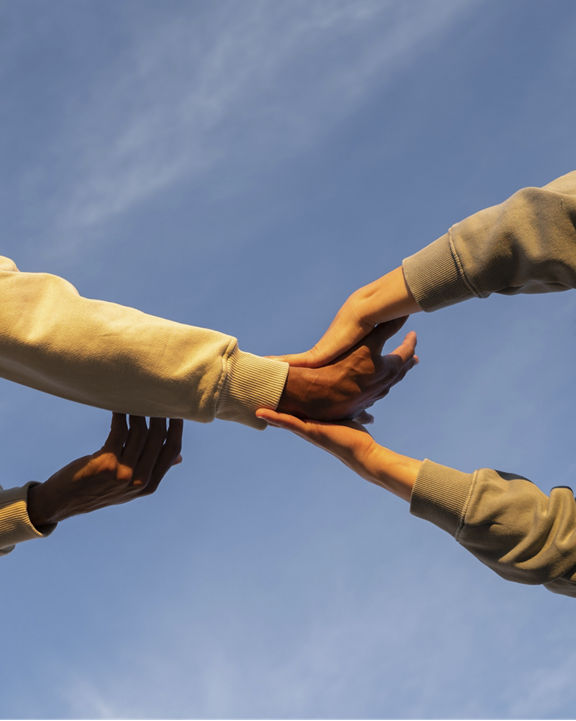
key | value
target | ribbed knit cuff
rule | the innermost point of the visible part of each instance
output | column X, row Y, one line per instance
column 15, row 525
column 252, row 382
column 435, row 277
column 440, row 495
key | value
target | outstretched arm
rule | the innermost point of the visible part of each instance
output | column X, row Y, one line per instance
column 506, row 521
column 118, row 358
column 354, row 446
column 121, row 359
column 131, row 464
column 525, row 245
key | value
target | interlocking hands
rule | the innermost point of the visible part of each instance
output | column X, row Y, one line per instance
column 382, row 300
column 350, row 350
column 345, row 387
column 136, row 456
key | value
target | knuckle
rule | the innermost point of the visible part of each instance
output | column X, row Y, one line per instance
column 106, row 462
column 138, row 423
column 124, row 473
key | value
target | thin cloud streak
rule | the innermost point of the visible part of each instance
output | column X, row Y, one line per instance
column 234, row 95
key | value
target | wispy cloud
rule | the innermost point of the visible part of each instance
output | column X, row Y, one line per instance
column 246, row 82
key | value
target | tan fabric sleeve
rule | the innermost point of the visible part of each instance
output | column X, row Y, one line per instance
column 505, row 521
column 121, row 359
column 15, row 525
column 525, row 245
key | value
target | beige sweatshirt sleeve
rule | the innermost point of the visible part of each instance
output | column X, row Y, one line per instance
column 525, row 245
column 15, row 525
column 121, row 359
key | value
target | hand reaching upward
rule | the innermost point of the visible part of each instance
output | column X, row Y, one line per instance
column 130, row 464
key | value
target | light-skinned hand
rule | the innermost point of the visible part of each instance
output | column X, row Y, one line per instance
column 353, row 445
column 383, row 300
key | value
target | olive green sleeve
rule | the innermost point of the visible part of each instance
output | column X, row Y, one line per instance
column 506, row 521
column 525, row 245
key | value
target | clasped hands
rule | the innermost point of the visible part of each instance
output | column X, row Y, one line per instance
column 377, row 304
column 325, row 399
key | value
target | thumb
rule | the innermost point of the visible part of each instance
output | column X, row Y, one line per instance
column 406, row 349
column 383, row 332
column 281, row 420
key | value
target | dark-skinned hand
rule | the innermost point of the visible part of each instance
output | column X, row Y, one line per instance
column 131, row 463
column 350, row 384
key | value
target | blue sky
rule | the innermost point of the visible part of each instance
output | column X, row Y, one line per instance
column 244, row 166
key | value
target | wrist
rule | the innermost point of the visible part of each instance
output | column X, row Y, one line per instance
column 38, row 511
column 396, row 473
column 386, row 299
column 297, row 394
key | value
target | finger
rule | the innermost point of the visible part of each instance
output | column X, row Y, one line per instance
column 149, row 454
column 281, row 420
column 383, row 332
column 403, row 371
column 324, row 435
column 118, row 434
column 309, row 431
column 364, row 418
column 308, row 359
column 135, row 441
column 407, row 367
column 169, row 455
column 406, row 349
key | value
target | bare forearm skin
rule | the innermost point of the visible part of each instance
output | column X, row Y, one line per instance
column 397, row 473
column 385, row 299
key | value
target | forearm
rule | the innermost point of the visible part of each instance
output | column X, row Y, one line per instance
column 394, row 472
column 506, row 521
column 384, row 299
column 118, row 358
column 525, row 245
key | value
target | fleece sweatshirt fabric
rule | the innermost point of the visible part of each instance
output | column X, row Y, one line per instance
column 525, row 245
column 120, row 359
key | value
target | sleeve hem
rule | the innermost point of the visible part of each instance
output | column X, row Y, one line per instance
column 252, row 382
column 434, row 276
column 440, row 495
column 15, row 524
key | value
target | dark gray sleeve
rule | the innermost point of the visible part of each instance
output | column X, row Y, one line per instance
column 506, row 521
column 525, row 245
